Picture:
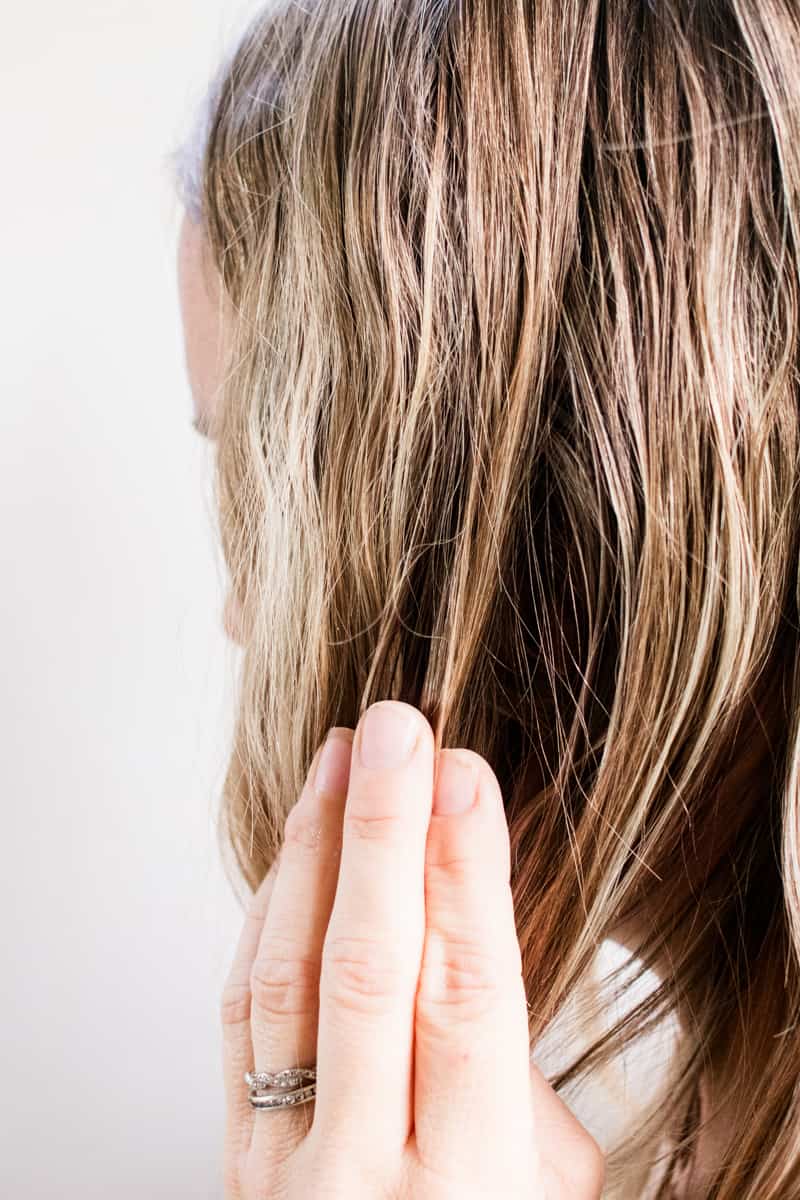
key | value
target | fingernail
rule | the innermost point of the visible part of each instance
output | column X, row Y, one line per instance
column 333, row 769
column 389, row 733
column 456, row 784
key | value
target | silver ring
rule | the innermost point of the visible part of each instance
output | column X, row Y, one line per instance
column 288, row 1078
column 281, row 1089
column 284, row 1100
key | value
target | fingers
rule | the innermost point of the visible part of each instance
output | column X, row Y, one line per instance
column 373, row 946
column 284, row 980
column 572, row 1163
column 472, row 1054
column 236, row 1041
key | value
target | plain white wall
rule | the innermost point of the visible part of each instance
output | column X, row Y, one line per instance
column 115, row 703
column 118, row 922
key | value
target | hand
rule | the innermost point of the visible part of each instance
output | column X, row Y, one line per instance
column 382, row 946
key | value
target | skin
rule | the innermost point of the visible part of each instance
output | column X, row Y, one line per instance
column 202, row 316
column 382, row 946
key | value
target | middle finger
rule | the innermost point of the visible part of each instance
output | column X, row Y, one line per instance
column 373, row 948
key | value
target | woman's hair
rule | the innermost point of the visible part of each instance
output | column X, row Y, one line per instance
column 510, row 430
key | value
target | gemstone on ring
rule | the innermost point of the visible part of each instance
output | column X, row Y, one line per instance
column 279, row 1080
column 278, row 1100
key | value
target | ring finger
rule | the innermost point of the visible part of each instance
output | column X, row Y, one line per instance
column 284, row 981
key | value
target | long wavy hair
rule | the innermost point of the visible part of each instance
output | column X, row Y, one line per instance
column 510, row 430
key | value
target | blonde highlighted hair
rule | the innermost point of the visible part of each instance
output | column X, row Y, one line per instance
column 510, row 430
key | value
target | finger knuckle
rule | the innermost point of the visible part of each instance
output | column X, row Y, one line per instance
column 371, row 824
column 361, row 974
column 235, row 1003
column 282, row 982
column 460, row 982
column 302, row 829
column 453, row 871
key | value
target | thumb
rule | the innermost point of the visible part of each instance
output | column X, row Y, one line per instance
column 573, row 1165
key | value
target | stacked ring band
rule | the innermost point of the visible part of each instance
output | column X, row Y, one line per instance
column 280, row 1089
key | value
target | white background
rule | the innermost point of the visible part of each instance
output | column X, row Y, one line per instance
column 116, row 680
column 115, row 684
